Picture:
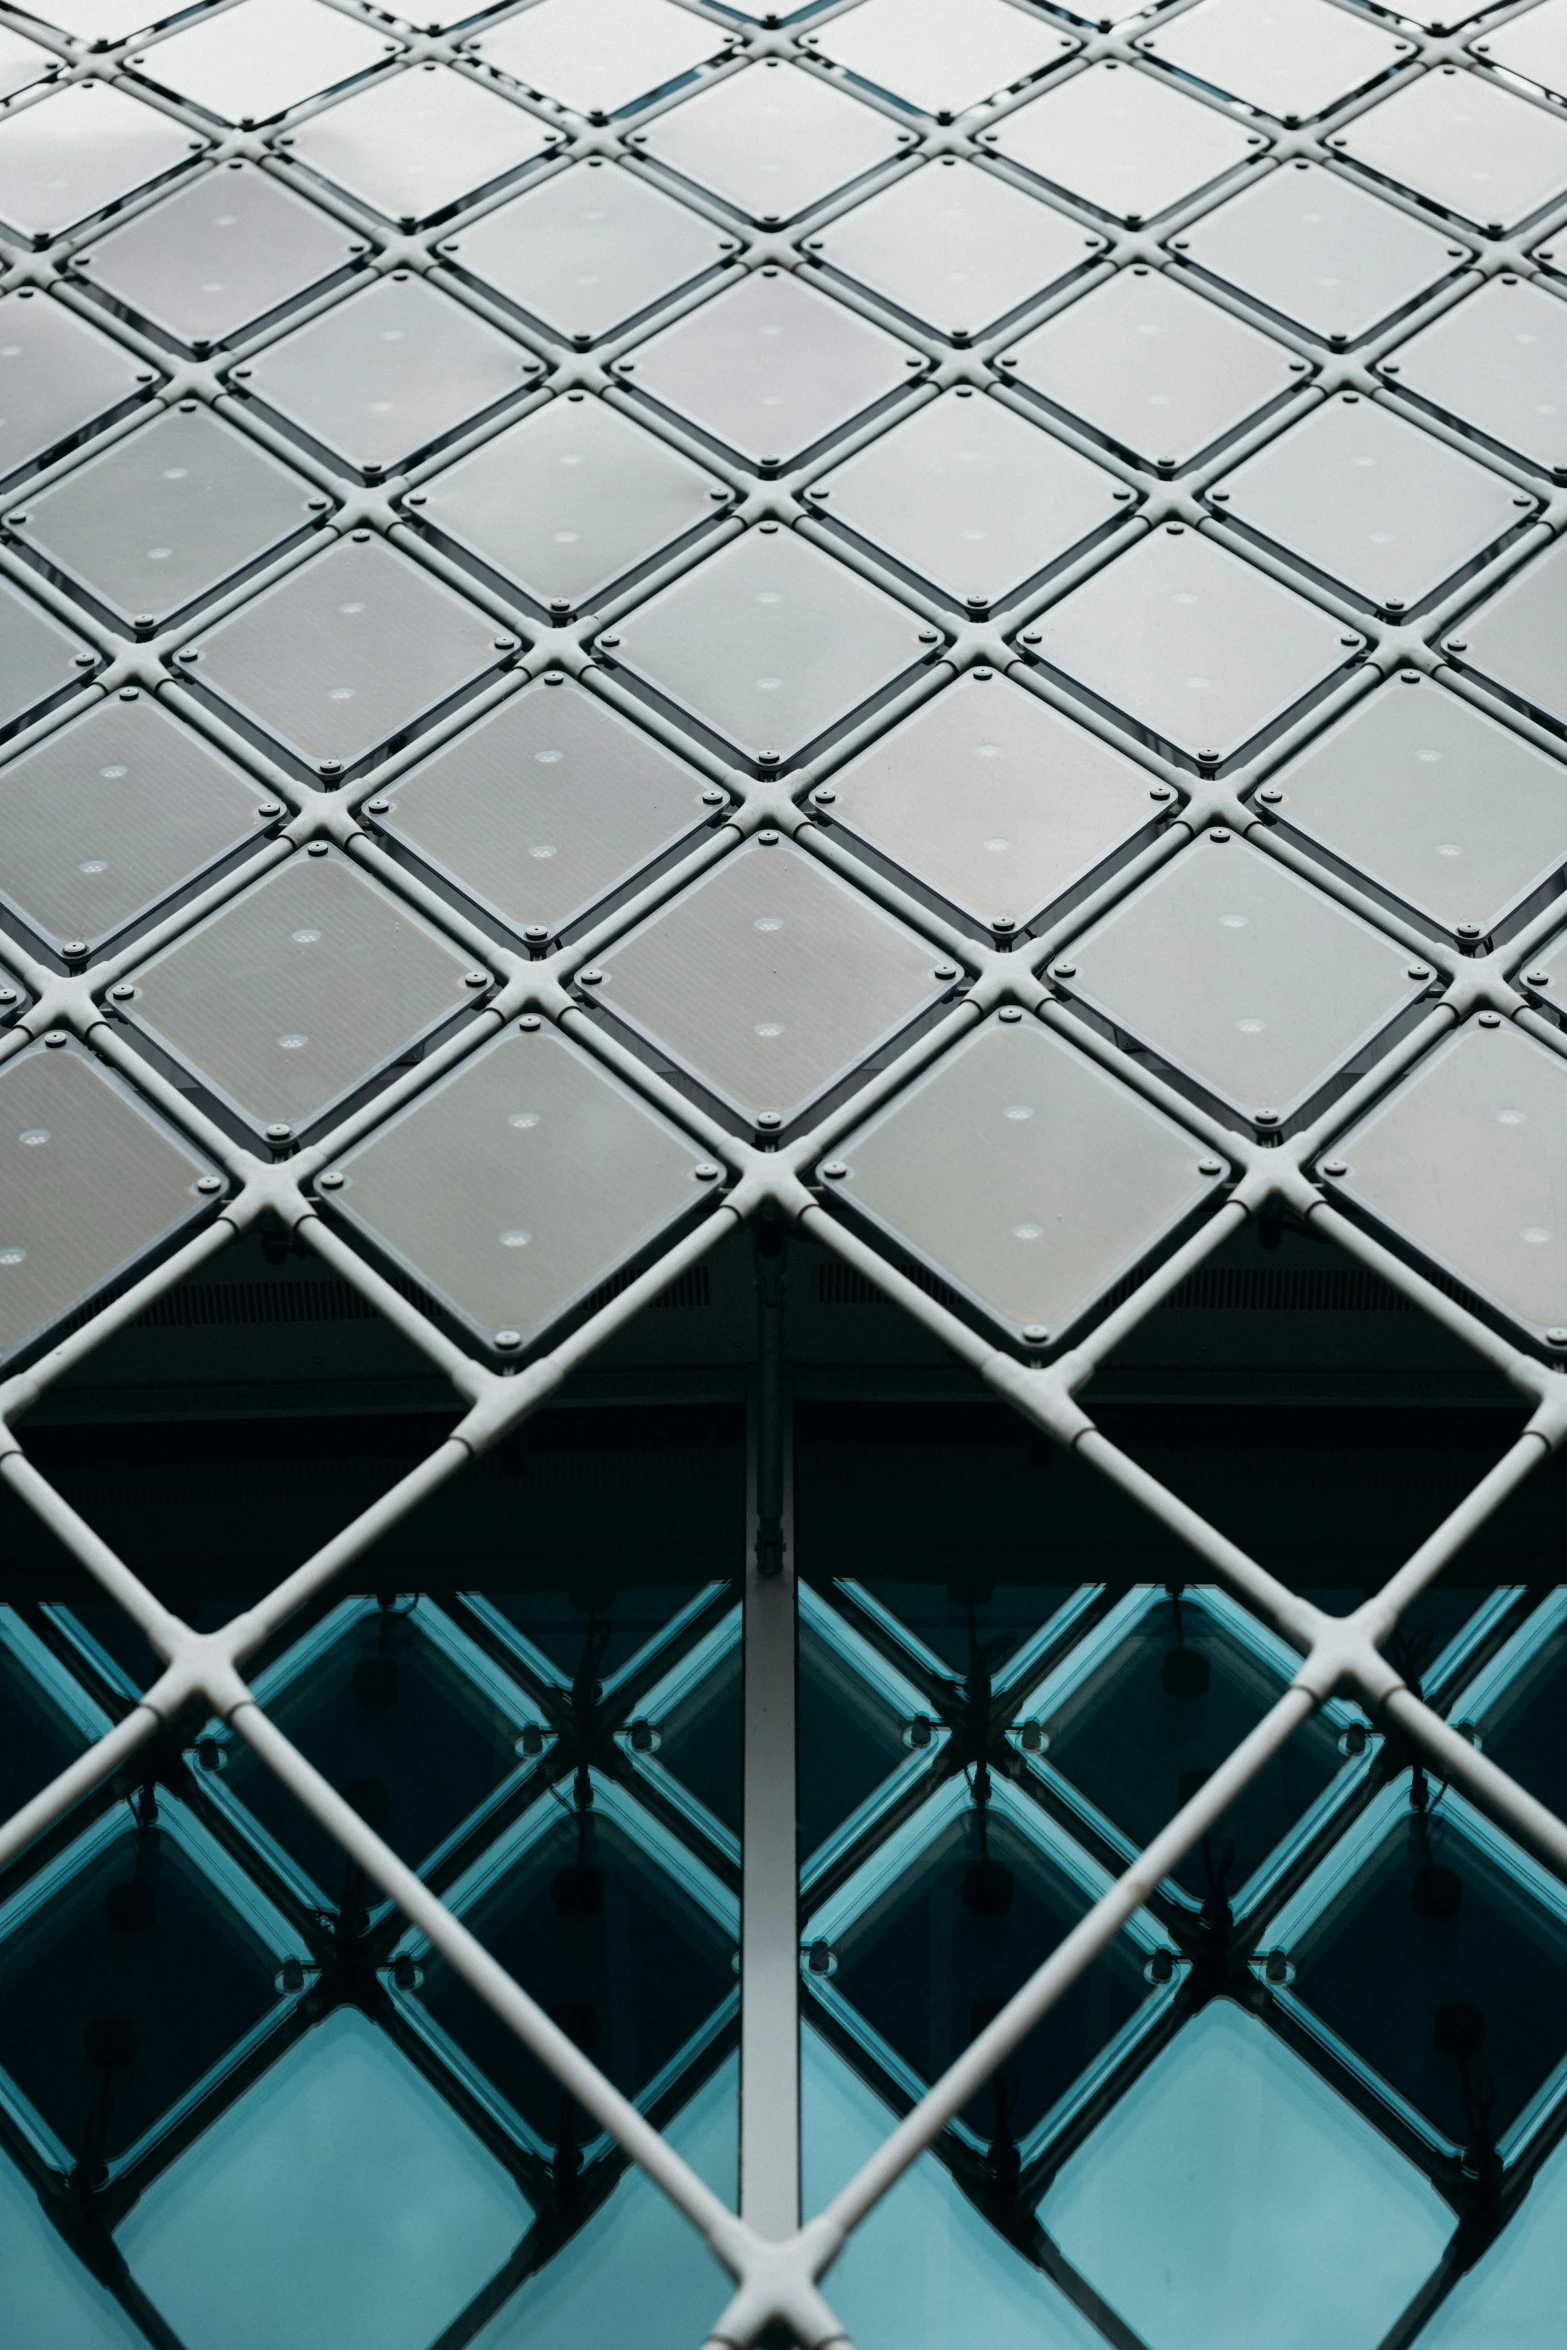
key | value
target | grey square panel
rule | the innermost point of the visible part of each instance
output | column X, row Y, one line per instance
column 413, row 145
column 288, row 998
column 345, row 655
column 99, row 24
column 1373, row 503
column 601, row 56
column 772, row 142
column 1199, row 651
column 112, row 814
column 23, row 63
column 938, row 58
column 565, row 1177
column 1515, row 641
column 569, row 499
column 1024, row 1174
column 1293, row 59
column 1320, row 252
column 956, row 247
column 166, row 514
column 253, row 62
column 545, row 806
column 91, row 1183
column 388, row 373
column 770, row 367
column 769, row 642
column 1434, row 802
column 1242, row 977
column 223, row 251
column 1533, row 46
column 38, row 658
column 1123, row 142
column 770, row 979
column 1496, row 364
column 1467, row 1160
column 972, row 498
column 1465, row 145
column 58, row 376
column 588, row 250
column 78, row 152
column 1152, row 367
column 993, row 799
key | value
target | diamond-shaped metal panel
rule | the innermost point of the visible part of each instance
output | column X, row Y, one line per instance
column 923, row 53
column 388, row 374
column 413, row 145
column 1434, row 802
column 1027, row 1174
column 1465, row 146
column 220, row 254
column 1373, row 504
column 770, row 643
column 568, row 500
column 252, row 63
column 293, row 995
column 955, row 247
column 1154, row 369
column 79, row 151
column 549, row 803
column 165, row 515
column 771, row 142
column 1293, row 59
column 39, row 659
column 993, row 799
column 566, row 1177
column 1196, row 649
column 94, row 1183
column 1467, row 1160
column 58, row 378
column 1240, row 975
column 1123, row 142
column 1514, row 640
column 1496, row 365
column 348, row 654
column 587, row 251
column 771, row 980
column 23, row 64
column 770, row 368
column 1320, row 253
column 968, row 496
column 600, row 56
column 1533, row 46
column 114, row 812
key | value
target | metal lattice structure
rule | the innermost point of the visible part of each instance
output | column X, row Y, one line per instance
column 880, row 661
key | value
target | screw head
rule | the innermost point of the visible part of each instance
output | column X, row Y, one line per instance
column 835, row 1169
column 1035, row 1333
column 209, row 1183
column 1556, row 1337
column 530, row 1021
column 1210, row 1166
column 279, row 1131
column 1335, row 1167
column 123, row 993
column 945, row 971
column 55, row 1038
column 769, row 1118
column 1265, row 1117
column 767, row 840
column 591, row 978
column 332, row 1182
column 712, row 797
column 1270, row 794
column 317, row 848
column 73, row 949
column 476, row 979
column 1063, row 970
column 507, row 1340
column 1010, row 1013
column 1455, row 644
column 1490, row 1019
column 1538, row 978
column 377, row 807
column 706, row 1171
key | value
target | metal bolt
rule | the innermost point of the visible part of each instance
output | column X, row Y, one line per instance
column 1455, row 644
column 1271, row 794
column 945, row 971
column 1161, row 791
column 1210, row 1166
column 1538, row 978
column 209, row 1183
column 835, row 1169
column 55, row 1038
column 269, row 807
column 769, row 1118
column 591, row 978
column 930, row 636
column 1063, row 971
column 330, row 767
column 1010, row 1013
column 73, row 949
column 318, row 848
column 1335, row 1167
column 1490, row 1019
column 706, row 1171
column 332, row 1182
column 378, row 807
column 530, row 1021
column 1035, row 1333
column 279, row 1131
column 1556, row 1337
column 768, row 840
column 712, row 797
column 1265, row 1117
column 609, row 643
column 476, row 979
column 505, row 1340
column 123, row 993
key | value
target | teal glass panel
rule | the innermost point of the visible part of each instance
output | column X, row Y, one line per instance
column 638, row 2275
column 49, row 2300
column 1516, row 2297
column 339, row 2205
column 1232, row 2199
column 924, row 2269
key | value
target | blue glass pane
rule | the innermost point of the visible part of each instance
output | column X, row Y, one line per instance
column 340, row 2205
column 1232, row 2199
column 1514, row 2299
column 925, row 2269
column 637, row 2274
column 50, row 2301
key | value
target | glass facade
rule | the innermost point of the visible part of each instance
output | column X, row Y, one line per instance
column 782, row 863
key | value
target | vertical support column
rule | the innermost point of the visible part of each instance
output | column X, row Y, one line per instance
column 769, row 1923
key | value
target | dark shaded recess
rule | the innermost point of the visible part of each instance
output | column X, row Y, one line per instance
column 937, row 1960
column 1445, row 1977
column 1319, row 1494
column 609, row 1946
column 1009, row 1613
column 36, row 1743
column 216, row 1513
column 120, row 1994
column 1530, row 1739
